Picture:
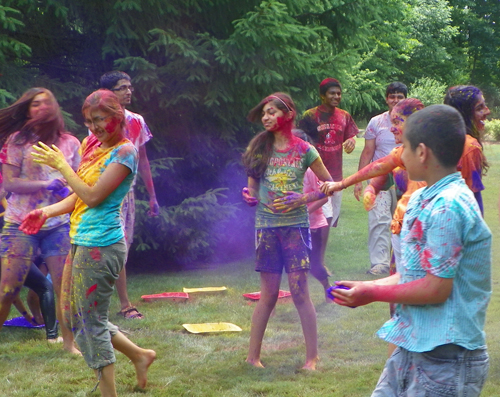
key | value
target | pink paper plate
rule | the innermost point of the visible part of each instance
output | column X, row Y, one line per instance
column 170, row 296
column 255, row 296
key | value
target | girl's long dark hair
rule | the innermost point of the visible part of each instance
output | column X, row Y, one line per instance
column 46, row 127
column 260, row 148
column 464, row 99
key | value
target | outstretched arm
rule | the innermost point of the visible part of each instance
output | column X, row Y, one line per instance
column 428, row 290
column 382, row 166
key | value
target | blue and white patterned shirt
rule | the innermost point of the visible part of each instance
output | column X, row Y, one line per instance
column 445, row 235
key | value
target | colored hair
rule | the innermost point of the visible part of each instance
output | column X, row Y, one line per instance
column 109, row 79
column 260, row 148
column 408, row 106
column 327, row 83
column 45, row 127
column 395, row 88
column 464, row 99
column 105, row 101
column 442, row 129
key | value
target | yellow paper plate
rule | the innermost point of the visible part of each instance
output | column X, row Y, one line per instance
column 211, row 327
column 204, row 289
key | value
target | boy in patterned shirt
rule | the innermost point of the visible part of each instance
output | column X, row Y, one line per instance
column 444, row 284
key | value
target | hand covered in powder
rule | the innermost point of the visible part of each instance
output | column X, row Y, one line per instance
column 352, row 293
column 329, row 188
column 33, row 222
column 358, row 188
column 154, row 208
column 349, row 145
column 288, row 202
column 369, row 197
column 51, row 156
column 56, row 185
column 247, row 198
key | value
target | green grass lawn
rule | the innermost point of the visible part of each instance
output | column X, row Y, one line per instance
column 352, row 357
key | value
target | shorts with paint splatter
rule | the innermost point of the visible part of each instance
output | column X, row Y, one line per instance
column 86, row 300
column 51, row 242
column 282, row 247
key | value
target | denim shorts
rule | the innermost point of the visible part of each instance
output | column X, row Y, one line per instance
column 16, row 244
column 448, row 370
column 282, row 247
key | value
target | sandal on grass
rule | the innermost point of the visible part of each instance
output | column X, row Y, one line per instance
column 130, row 312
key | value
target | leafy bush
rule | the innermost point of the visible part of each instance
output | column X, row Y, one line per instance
column 188, row 232
column 428, row 90
column 492, row 129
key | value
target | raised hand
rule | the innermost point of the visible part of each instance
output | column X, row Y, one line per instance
column 33, row 222
column 50, row 156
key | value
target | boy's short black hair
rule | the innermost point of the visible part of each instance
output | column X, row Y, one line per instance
column 442, row 129
column 109, row 79
column 396, row 87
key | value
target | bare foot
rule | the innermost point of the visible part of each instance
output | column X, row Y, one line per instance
column 255, row 363
column 71, row 348
column 59, row 339
column 141, row 366
column 310, row 365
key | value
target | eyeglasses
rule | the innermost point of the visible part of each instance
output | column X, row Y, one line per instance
column 94, row 121
column 123, row 88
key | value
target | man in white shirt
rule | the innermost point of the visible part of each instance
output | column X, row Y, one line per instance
column 379, row 141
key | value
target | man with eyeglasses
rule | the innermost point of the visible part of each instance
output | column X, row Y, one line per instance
column 138, row 133
column 379, row 141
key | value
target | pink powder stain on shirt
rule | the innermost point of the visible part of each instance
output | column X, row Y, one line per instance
column 425, row 259
column 90, row 290
column 95, row 253
column 417, row 230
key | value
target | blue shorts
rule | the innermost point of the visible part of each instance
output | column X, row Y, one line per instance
column 447, row 370
column 282, row 247
column 16, row 244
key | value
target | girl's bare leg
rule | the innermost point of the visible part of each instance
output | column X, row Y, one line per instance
column 269, row 291
column 56, row 267
column 107, row 382
column 141, row 358
column 307, row 313
column 14, row 272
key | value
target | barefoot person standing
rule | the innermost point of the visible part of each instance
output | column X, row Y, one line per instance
column 98, row 253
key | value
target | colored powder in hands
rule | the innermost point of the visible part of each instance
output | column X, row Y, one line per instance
column 333, row 287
